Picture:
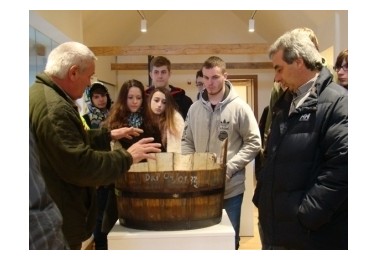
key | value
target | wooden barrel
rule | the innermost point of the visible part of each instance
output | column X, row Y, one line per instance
column 173, row 192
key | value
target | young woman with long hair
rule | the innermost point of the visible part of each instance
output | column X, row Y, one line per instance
column 163, row 111
column 130, row 110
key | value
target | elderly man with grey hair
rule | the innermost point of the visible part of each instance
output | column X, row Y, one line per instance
column 74, row 161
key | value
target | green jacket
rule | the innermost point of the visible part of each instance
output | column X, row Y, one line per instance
column 73, row 161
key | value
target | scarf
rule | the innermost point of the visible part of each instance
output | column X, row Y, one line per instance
column 96, row 116
column 135, row 120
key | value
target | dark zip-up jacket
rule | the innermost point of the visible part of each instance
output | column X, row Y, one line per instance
column 71, row 164
column 302, row 191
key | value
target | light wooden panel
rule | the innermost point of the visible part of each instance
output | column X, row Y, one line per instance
column 189, row 49
column 193, row 66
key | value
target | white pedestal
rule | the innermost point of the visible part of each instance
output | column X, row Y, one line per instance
column 220, row 236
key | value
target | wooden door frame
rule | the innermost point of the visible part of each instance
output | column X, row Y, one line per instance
column 254, row 85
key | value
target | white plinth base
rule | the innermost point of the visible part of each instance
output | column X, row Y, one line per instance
column 220, row 236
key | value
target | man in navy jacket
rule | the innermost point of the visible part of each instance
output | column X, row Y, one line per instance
column 302, row 191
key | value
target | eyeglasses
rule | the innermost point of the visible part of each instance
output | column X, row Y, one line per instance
column 344, row 67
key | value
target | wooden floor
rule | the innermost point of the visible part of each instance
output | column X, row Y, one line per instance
column 252, row 243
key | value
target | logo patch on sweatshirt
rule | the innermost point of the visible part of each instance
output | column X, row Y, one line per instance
column 224, row 125
column 224, row 128
column 223, row 135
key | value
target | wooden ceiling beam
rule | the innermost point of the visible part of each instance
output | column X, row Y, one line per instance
column 193, row 66
column 188, row 49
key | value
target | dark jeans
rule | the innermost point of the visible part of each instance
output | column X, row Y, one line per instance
column 232, row 207
column 100, row 238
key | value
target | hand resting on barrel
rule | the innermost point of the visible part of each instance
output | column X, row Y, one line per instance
column 125, row 132
column 144, row 149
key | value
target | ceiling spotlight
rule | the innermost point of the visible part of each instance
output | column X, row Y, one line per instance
column 251, row 25
column 252, row 22
column 143, row 27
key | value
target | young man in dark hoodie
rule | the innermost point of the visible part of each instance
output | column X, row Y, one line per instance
column 160, row 74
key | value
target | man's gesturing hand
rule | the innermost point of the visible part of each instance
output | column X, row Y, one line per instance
column 125, row 132
column 144, row 149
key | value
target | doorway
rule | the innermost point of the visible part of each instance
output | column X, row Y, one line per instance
column 247, row 88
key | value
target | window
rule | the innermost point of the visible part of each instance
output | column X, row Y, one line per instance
column 39, row 47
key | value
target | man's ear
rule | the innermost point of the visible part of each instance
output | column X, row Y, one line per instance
column 73, row 72
column 225, row 75
column 300, row 62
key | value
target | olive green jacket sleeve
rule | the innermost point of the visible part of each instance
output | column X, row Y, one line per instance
column 67, row 150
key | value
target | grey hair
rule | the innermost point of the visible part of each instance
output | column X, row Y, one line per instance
column 296, row 44
column 65, row 56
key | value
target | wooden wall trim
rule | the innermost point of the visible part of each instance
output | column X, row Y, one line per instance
column 188, row 49
column 193, row 66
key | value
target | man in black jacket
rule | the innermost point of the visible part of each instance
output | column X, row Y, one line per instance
column 302, row 191
column 160, row 73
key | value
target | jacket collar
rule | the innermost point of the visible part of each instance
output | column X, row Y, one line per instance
column 44, row 79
